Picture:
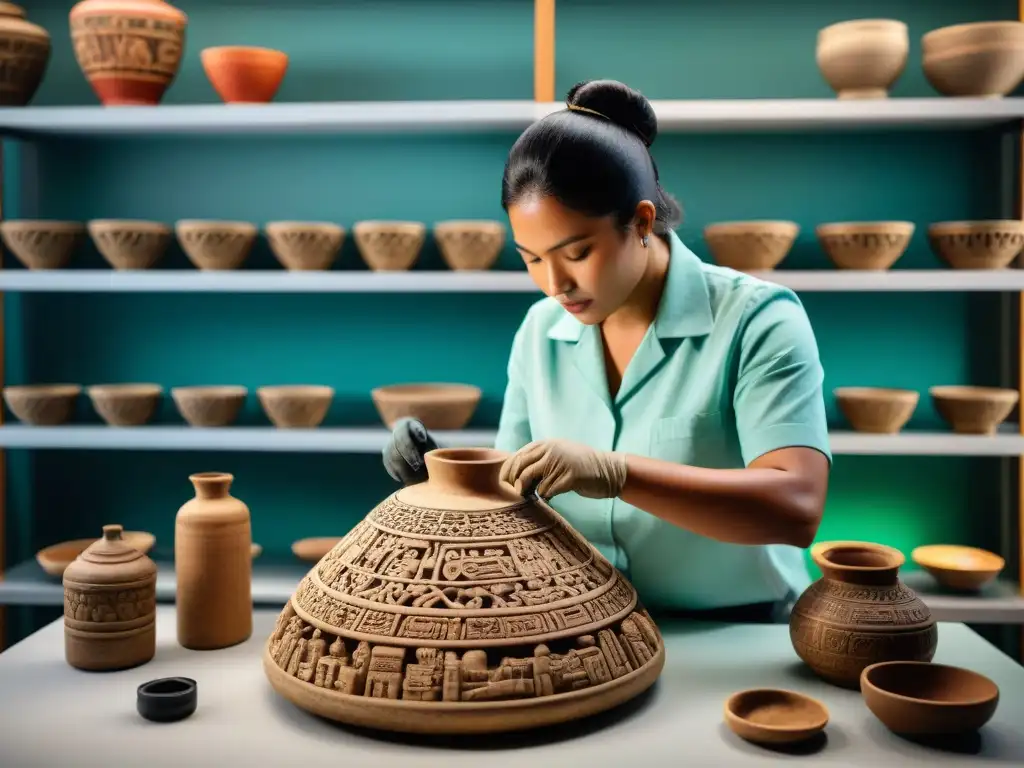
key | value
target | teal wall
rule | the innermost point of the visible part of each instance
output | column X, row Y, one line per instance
column 459, row 49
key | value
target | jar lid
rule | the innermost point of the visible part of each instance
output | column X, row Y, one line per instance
column 10, row 9
column 110, row 560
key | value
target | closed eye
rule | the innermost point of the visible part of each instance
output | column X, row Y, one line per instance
column 582, row 254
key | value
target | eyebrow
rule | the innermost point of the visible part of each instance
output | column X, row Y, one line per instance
column 556, row 246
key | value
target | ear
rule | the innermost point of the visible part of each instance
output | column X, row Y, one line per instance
column 643, row 219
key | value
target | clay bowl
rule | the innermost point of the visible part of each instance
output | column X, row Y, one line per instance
column 312, row 550
column 917, row 698
column 973, row 410
column 983, row 59
column 56, row 557
column 244, row 74
column 305, row 245
column 861, row 59
column 216, row 245
column 128, row 244
column 40, row 244
column 214, row 406
column 301, row 405
column 437, row 406
column 977, row 244
column 876, row 409
column 389, row 246
column 967, row 569
column 749, row 246
column 772, row 716
column 470, row 245
column 125, row 405
column 865, row 245
column 42, row 405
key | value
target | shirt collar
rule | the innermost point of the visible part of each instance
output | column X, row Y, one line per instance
column 685, row 307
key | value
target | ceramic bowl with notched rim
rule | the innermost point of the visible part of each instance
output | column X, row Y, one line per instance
column 775, row 716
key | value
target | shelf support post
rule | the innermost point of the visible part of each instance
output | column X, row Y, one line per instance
column 544, row 50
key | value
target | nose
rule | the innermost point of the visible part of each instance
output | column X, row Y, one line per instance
column 559, row 281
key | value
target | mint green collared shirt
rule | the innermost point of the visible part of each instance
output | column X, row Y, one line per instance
column 727, row 372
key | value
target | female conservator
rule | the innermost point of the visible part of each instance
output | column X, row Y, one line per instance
column 671, row 410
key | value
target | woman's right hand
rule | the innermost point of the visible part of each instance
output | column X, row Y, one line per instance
column 403, row 454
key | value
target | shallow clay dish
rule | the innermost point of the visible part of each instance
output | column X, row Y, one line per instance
column 125, row 405
column 876, row 409
column 977, row 244
column 129, row 244
column 956, row 567
column 863, row 58
column 772, row 716
column 915, row 698
column 42, row 244
column 865, row 245
column 437, row 406
column 305, row 245
column 389, row 246
column 42, row 405
column 974, row 410
column 299, row 406
column 216, row 245
column 470, row 245
column 314, row 549
column 216, row 406
column 56, row 557
column 244, row 74
column 749, row 246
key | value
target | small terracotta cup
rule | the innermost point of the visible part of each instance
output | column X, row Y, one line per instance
column 244, row 74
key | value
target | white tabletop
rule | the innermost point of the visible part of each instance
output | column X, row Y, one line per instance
column 54, row 715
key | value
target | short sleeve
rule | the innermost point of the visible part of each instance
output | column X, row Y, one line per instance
column 514, row 422
column 778, row 398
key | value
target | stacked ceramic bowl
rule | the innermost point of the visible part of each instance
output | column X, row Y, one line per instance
column 862, row 58
column 984, row 59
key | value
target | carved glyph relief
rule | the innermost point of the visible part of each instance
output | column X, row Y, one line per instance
column 123, row 44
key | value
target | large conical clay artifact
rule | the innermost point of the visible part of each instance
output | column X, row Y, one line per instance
column 457, row 606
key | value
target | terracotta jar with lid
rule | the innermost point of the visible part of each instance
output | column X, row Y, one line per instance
column 24, row 55
column 213, row 565
column 110, row 605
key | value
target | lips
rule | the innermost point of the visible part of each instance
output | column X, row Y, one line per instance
column 575, row 307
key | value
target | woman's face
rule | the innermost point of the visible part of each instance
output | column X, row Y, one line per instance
column 589, row 265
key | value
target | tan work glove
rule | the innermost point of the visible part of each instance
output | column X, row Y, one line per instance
column 551, row 467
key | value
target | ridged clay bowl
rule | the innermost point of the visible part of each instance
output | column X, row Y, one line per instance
column 244, row 74
column 296, row 406
column 973, row 410
column 125, row 405
column 965, row 569
column 874, row 245
column 55, row 558
column 312, row 550
column 41, row 244
column 982, row 59
column 437, row 406
column 878, row 410
column 863, row 58
column 42, row 405
column 470, row 245
column 305, row 245
column 749, row 246
column 216, row 245
column 130, row 244
column 389, row 246
column 209, row 406
column 977, row 244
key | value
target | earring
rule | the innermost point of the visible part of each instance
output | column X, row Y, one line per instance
column 643, row 241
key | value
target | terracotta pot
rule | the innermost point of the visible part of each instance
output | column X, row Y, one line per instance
column 749, row 246
column 125, row 405
column 861, row 59
column 977, row 244
column 859, row 613
column 127, row 244
column 242, row 74
column 110, row 605
column 865, row 245
column 129, row 50
column 24, row 54
column 213, row 566
column 305, row 245
column 876, row 409
column 42, row 405
column 974, row 410
column 457, row 606
column 437, row 406
column 42, row 244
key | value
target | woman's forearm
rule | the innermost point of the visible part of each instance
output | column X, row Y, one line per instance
column 766, row 503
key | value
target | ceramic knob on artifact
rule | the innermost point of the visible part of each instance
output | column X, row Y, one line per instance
column 110, row 605
column 24, row 54
column 129, row 50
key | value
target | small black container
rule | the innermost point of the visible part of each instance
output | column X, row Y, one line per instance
column 167, row 699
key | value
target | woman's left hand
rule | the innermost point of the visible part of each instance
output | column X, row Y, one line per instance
column 552, row 467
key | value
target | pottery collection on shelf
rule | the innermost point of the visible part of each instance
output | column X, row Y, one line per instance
column 24, row 55
column 969, row 410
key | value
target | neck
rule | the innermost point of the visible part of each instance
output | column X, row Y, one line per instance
column 641, row 307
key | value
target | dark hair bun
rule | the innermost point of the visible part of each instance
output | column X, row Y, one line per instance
column 621, row 104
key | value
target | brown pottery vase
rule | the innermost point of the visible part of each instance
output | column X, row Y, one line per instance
column 213, row 566
column 859, row 613
column 130, row 50
column 110, row 605
column 24, row 54
column 458, row 606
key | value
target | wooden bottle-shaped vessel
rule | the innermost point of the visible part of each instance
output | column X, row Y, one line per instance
column 213, row 565
column 110, row 605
